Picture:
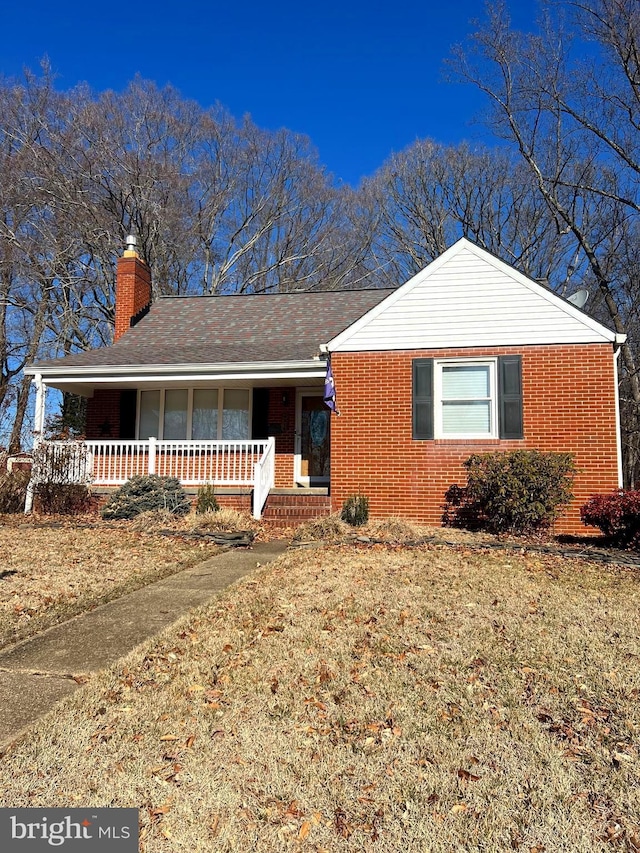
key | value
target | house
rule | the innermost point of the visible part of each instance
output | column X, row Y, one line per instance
column 468, row 356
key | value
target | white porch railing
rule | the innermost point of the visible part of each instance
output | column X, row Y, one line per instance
column 264, row 477
column 222, row 463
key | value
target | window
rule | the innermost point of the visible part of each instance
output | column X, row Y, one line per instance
column 195, row 413
column 235, row 414
column 204, row 421
column 467, row 398
column 149, row 416
column 175, row 414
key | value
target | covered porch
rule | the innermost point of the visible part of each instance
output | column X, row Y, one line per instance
column 236, row 433
column 110, row 463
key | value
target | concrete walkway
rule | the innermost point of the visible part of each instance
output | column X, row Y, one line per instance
column 36, row 673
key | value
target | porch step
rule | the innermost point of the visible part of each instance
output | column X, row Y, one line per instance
column 292, row 507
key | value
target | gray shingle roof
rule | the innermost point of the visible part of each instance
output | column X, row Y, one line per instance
column 232, row 329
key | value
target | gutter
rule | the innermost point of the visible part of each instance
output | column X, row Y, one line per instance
column 247, row 370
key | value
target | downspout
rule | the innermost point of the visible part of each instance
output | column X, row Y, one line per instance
column 616, row 356
column 38, row 430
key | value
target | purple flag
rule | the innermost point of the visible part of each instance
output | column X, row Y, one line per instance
column 330, row 390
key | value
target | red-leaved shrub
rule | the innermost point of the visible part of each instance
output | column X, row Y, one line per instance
column 616, row 514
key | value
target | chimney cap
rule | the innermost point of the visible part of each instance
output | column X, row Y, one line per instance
column 131, row 243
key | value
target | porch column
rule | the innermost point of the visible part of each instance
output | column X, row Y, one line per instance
column 38, row 430
column 41, row 400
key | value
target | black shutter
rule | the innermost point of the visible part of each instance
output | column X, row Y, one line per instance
column 260, row 414
column 422, row 398
column 510, row 396
column 128, row 404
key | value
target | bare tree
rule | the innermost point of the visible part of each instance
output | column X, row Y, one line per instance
column 568, row 97
column 429, row 195
column 216, row 206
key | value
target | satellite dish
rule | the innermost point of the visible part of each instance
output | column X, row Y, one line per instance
column 579, row 298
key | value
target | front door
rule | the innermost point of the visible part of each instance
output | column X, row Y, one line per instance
column 313, row 439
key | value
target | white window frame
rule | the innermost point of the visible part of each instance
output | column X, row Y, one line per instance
column 190, row 391
column 438, row 365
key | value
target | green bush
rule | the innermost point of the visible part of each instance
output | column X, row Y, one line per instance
column 13, row 490
column 146, row 493
column 355, row 510
column 520, row 491
column 207, row 501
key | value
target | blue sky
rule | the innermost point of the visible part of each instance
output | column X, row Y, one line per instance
column 361, row 79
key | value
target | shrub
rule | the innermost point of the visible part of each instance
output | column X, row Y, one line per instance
column 62, row 498
column 63, row 462
column 616, row 514
column 355, row 510
column 13, row 490
column 60, row 473
column 207, row 501
column 146, row 493
column 519, row 491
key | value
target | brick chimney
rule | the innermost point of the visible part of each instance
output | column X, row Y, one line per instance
column 133, row 288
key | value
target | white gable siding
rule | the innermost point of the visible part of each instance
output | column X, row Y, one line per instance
column 469, row 298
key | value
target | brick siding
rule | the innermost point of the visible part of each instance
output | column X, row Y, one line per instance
column 568, row 405
column 282, row 417
column 103, row 414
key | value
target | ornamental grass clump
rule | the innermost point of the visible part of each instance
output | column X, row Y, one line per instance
column 521, row 491
column 207, row 501
column 144, row 494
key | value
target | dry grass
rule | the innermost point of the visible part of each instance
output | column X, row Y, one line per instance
column 328, row 528
column 381, row 699
column 332, row 529
column 222, row 520
column 51, row 572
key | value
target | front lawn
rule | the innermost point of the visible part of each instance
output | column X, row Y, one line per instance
column 51, row 571
column 368, row 699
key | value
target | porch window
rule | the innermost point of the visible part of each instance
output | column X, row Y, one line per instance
column 204, row 422
column 176, row 402
column 196, row 413
column 235, row 413
column 149, row 414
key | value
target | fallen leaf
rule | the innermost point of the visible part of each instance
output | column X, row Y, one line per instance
column 468, row 777
column 304, row 830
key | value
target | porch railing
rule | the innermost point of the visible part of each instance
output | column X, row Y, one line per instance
column 264, row 477
column 222, row 463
